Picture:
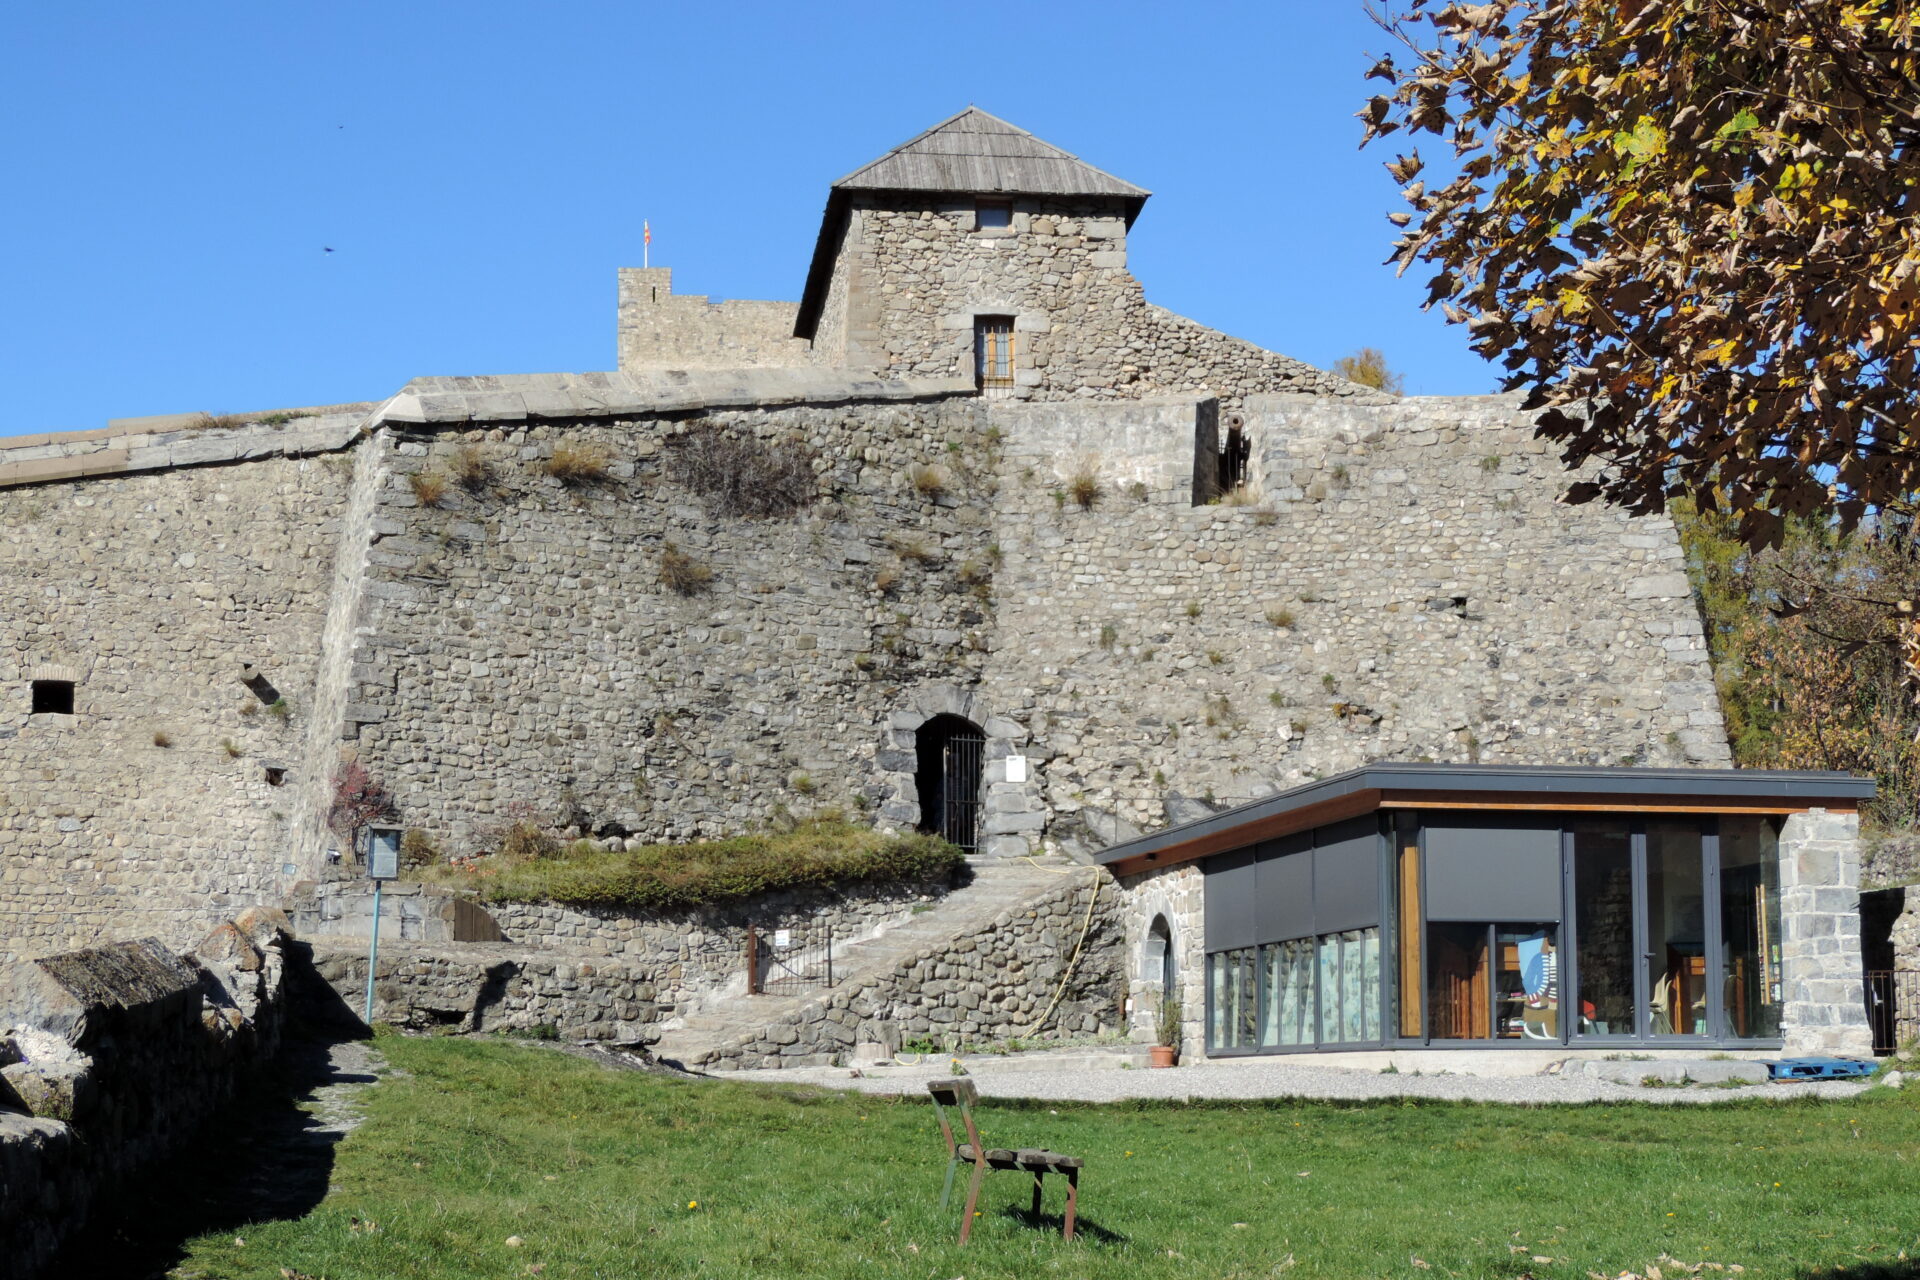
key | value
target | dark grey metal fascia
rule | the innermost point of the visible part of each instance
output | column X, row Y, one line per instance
column 1812, row 786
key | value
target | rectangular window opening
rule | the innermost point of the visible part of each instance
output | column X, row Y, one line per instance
column 991, row 214
column 993, row 352
column 53, row 697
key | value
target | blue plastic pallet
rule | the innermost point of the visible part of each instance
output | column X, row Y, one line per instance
column 1818, row 1069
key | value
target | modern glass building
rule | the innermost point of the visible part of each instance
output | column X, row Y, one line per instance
column 1466, row 905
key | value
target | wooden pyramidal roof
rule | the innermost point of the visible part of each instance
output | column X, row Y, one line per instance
column 977, row 152
column 969, row 153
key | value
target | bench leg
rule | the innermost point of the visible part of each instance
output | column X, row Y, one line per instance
column 1073, row 1202
column 946, row 1192
column 1038, row 1178
column 973, row 1201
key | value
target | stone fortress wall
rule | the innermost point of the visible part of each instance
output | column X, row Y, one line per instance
column 658, row 329
column 151, row 808
column 1403, row 585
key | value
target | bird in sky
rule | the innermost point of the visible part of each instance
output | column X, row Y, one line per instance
column 326, row 248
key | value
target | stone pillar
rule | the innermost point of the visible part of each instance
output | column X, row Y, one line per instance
column 1820, row 957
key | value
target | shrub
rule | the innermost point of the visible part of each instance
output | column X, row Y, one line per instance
column 231, row 748
column 279, row 709
column 1109, row 635
column 471, row 468
column 681, row 573
column 357, row 801
column 821, row 851
column 577, row 465
column 1279, row 616
column 741, row 475
column 429, row 487
column 417, row 849
column 517, row 836
column 1193, row 609
column 1241, row 495
column 886, row 580
column 928, row 480
column 162, row 739
column 217, row 422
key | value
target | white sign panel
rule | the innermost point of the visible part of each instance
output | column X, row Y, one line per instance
column 383, row 854
column 1016, row 768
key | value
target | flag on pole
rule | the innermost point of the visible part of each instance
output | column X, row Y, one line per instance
column 646, row 241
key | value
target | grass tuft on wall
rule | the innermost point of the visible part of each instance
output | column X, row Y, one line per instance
column 819, row 852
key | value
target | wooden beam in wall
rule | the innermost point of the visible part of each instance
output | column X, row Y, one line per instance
column 1533, row 801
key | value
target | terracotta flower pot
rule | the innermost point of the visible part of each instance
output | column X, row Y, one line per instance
column 1162, row 1055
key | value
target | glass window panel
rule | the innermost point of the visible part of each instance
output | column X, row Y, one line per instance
column 1217, row 1003
column 1329, row 955
column 1527, row 982
column 1750, row 926
column 1458, row 996
column 1676, row 931
column 1603, row 928
column 1288, row 970
column 1246, row 1009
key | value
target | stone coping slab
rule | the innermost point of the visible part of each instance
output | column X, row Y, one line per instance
column 174, row 440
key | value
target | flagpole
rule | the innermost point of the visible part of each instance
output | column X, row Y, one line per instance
column 646, row 242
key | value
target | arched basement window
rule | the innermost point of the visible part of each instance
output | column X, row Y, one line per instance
column 950, row 751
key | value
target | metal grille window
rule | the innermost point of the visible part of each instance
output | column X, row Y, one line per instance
column 950, row 753
column 993, row 351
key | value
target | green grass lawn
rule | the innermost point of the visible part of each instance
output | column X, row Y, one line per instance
column 611, row 1174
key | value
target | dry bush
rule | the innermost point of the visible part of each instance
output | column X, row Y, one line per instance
column 217, row 422
column 429, row 487
column 470, row 467
column 577, row 465
column 1279, row 616
column 516, row 836
column 886, row 580
column 162, row 739
column 1241, row 495
column 1083, row 487
column 974, row 572
column 911, row 548
column 741, row 475
column 928, row 480
column 681, row 573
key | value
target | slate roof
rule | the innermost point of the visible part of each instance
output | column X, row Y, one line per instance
column 974, row 151
column 968, row 153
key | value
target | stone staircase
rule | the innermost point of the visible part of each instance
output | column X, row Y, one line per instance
column 737, row 1030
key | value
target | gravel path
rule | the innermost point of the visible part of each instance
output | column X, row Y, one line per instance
column 1281, row 1080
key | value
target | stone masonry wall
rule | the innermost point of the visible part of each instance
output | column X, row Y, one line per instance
column 658, row 330
column 913, row 272
column 1404, row 586
column 519, row 645
column 686, row 955
column 480, row 986
column 150, row 809
column 1000, row 984
column 1820, row 959
column 111, row 1058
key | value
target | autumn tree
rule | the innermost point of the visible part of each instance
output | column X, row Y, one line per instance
column 1807, row 645
column 1368, row 367
column 1687, row 228
column 358, row 801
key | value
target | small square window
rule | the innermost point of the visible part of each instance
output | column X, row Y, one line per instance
column 53, row 697
column 992, row 215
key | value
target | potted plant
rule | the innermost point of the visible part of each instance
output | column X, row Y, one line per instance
column 1166, row 1051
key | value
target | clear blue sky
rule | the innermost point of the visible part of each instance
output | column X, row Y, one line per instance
column 174, row 173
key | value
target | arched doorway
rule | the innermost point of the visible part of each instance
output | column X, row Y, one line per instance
column 1159, row 957
column 950, row 750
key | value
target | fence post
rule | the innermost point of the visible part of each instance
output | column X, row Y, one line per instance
column 753, row 961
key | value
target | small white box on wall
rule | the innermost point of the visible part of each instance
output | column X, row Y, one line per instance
column 1016, row 768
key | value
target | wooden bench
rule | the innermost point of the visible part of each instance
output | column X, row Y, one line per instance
column 1031, row 1160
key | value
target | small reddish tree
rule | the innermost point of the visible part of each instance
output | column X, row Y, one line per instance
column 358, row 801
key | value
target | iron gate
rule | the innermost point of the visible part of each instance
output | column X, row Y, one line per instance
column 779, row 962
column 1893, row 1008
column 960, row 757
